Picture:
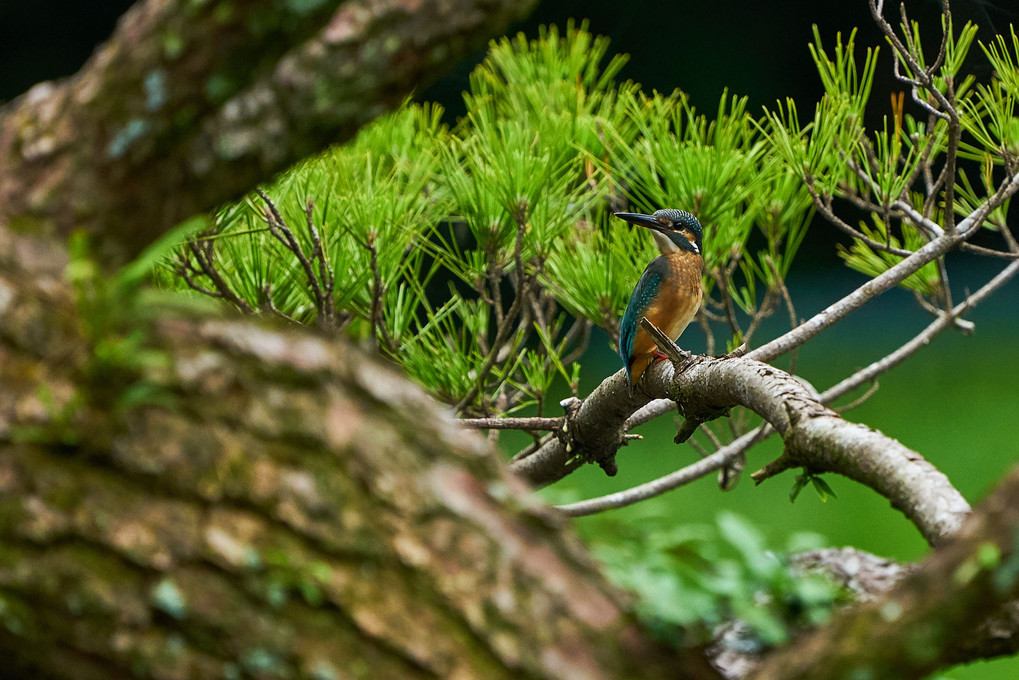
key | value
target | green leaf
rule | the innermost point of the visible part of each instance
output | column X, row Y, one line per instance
column 821, row 487
column 801, row 481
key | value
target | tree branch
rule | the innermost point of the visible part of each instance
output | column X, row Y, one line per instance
column 673, row 480
column 928, row 620
column 300, row 499
column 725, row 455
column 859, row 297
column 945, row 320
column 511, row 423
column 602, row 422
column 185, row 92
column 815, row 437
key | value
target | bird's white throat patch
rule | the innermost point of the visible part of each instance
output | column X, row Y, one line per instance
column 665, row 246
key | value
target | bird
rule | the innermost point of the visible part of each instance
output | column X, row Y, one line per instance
column 669, row 292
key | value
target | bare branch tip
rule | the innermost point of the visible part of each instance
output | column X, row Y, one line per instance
column 774, row 468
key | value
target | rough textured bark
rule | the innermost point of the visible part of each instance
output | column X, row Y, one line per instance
column 192, row 103
column 282, row 517
column 928, row 620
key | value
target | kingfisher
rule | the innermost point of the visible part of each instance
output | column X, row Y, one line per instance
column 669, row 291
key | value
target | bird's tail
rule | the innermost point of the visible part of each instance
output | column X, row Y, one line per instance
column 637, row 368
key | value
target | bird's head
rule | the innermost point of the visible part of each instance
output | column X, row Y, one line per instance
column 672, row 229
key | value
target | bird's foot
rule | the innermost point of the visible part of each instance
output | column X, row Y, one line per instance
column 658, row 355
column 665, row 347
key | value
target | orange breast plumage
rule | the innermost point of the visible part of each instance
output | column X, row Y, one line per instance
column 669, row 294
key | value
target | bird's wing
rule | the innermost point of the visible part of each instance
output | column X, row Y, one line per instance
column 643, row 295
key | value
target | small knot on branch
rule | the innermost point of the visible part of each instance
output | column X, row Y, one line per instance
column 564, row 433
column 604, row 456
column 736, row 353
column 775, row 467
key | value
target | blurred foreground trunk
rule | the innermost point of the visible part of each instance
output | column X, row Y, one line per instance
column 291, row 508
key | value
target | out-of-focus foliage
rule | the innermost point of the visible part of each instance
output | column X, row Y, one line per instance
column 691, row 578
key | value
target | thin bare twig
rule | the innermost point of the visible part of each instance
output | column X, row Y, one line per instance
column 326, row 309
column 856, row 299
column 696, row 446
column 703, row 317
column 790, row 308
column 918, row 77
column 825, row 208
column 321, row 288
column 379, row 331
column 763, row 311
column 922, row 339
column 204, row 254
column 988, row 252
column 673, row 480
column 722, row 276
column 712, row 437
column 861, row 400
column 270, row 306
column 975, row 220
column 511, row 423
column 503, row 331
column 1010, row 240
column 581, row 327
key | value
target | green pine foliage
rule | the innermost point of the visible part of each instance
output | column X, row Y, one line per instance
column 369, row 197
column 479, row 256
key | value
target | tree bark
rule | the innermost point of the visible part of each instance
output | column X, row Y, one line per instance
column 283, row 517
column 191, row 104
column 959, row 605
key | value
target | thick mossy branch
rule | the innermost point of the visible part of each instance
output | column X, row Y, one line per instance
column 287, row 515
column 928, row 620
column 187, row 105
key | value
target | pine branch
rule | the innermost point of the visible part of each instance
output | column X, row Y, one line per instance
column 511, row 423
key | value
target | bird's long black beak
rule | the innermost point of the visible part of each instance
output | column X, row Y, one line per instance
column 641, row 220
